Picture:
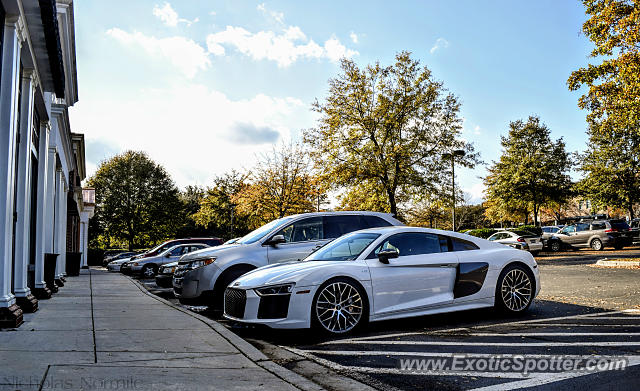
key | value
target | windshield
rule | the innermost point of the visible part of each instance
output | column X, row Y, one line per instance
column 345, row 248
column 259, row 233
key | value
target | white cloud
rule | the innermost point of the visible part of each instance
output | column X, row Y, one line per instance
column 193, row 131
column 354, row 37
column 277, row 16
column 183, row 53
column 476, row 130
column 440, row 43
column 284, row 48
column 169, row 16
column 476, row 192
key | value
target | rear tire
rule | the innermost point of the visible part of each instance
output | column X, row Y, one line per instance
column 596, row 245
column 555, row 246
column 515, row 289
column 149, row 271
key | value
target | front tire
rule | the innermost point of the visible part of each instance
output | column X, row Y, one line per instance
column 149, row 271
column 596, row 245
column 515, row 290
column 340, row 306
column 555, row 246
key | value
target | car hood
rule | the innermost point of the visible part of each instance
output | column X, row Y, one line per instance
column 283, row 273
column 209, row 251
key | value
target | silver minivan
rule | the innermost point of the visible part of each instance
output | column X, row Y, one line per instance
column 202, row 276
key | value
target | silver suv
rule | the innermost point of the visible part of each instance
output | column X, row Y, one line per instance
column 596, row 234
column 202, row 276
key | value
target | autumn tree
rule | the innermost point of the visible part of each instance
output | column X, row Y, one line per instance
column 218, row 210
column 532, row 171
column 386, row 127
column 137, row 202
column 282, row 183
column 612, row 99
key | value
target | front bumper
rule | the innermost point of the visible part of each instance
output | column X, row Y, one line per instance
column 192, row 284
column 114, row 268
column 255, row 309
column 164, row 280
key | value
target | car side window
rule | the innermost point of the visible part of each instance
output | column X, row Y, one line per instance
column 582, row 227
column 303, row 230
column 336, row 226
column 569, row 229
column 375, row 221
column 177, row 251
column 597, row 226
column 463, row 245
column 409, row 243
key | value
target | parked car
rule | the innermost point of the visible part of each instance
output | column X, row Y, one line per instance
column 385, row 273
column 634, row 224
column 110, row 253
column 548, row 231
column 115, row 266
column 170, row 243
column 596, row 234
column 231, row 241
column 203, row 275
column 165, row 275
column 122, row 255
column 148, row 267
column 520, row 239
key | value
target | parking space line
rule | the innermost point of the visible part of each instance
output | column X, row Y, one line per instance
column 583, row 325
column 462, row 343
column 397, row 371
column 452, row 355
column 534, row 334
column 546, row 378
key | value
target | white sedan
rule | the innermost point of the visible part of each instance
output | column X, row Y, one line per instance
column 520, row 239
column 385, row 273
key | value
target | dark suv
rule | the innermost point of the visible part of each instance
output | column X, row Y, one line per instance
column 596, row 234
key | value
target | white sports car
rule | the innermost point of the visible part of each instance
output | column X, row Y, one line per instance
column 385, row 273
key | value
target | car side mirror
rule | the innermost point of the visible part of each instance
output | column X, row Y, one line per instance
column 277, row 239
column 385, row 255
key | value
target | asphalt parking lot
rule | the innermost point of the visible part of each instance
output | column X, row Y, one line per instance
column 582, row 311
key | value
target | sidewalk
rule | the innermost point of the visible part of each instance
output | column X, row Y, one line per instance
column 101, row 331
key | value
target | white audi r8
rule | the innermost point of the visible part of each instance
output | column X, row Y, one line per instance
column 385, row 273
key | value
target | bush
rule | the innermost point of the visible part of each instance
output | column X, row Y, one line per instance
column 483, row 233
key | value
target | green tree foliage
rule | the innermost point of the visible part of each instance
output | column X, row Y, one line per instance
column 531, row 173
column 137, row 202
column 613, row 96
column 610, row 164
column 611, row 168
column 387, row 128
column 218, row 211
column 281, row 184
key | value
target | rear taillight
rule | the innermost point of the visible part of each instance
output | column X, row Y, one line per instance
column 610, row 230
column 520, row 240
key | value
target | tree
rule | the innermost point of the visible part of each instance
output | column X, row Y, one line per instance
column 613, row 96
column 281, row 184
column 531, row 173
column 218, row 209
column 136, row 201
column 191, row 198
column 611, row 168
column 387, row 128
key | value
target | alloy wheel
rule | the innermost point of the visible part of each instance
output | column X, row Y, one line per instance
column 339, row 307
column 596, row 244
column 516, row 290
column 148, row 272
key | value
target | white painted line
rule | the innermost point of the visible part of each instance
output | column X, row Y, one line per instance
column 545, row 378
column 451, row 355
column 597, row 315
column 583, row 325
column 397, row 371
column 523, row 344
column 534, row 334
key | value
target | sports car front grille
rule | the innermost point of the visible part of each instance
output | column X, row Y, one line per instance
column 234, row 302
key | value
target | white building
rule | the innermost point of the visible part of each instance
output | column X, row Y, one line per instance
column 43, row 213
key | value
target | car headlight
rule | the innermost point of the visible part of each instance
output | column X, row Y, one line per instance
column 199, row 263
column 284, row 289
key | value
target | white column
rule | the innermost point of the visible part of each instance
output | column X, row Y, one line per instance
column 84, row 230
column 8, row 113
column 50, row 197
column 41, row 214
column 58, row 217
column 62, row 231
column 23, row 224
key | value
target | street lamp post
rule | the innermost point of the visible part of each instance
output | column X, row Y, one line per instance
column 452, row 155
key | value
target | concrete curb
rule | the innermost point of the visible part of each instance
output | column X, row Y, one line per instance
column 251, row 352
column 608, row 263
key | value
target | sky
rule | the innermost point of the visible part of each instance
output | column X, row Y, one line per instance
column 207, row 86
